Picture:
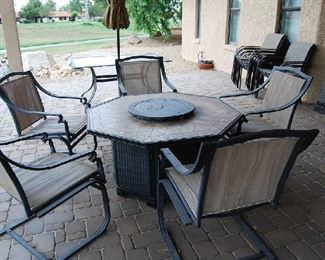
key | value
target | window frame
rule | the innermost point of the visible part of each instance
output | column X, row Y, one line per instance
column 231, row 11
column 198, row 20
column 284, row 9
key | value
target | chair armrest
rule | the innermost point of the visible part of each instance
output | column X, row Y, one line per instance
column 296, row 64
column 93, row 87
column 169, row 84
column 13, row 106
column 26, row 137
column 176, row 164
column 92, row 156
column 82, row 100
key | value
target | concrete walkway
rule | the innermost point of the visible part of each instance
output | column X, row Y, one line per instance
column 294, row 231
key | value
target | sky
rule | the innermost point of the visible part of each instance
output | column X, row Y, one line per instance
column 20, row 3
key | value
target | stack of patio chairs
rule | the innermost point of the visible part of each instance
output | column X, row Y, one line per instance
column 298, row 56
column 226, row 181
column 274, row 44
column 20, row 91
column 284, row 89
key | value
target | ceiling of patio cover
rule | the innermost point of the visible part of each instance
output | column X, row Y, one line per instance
column 116, row 15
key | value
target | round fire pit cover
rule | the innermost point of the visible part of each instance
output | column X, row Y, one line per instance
column 161, row 109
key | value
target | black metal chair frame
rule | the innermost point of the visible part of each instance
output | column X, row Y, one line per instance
column 204, row 159
column 160, row 59
column 294, row 102
column 251, row 55
column 259, row 74
column 70, row 139
column 96, row 180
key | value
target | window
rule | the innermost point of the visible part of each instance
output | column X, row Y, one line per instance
column 234, row 21
column 290, row 18
column 198, row 18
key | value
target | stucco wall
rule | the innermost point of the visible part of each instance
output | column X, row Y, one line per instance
column 257, row 19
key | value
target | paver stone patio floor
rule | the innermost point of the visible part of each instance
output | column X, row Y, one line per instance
column 296, row 230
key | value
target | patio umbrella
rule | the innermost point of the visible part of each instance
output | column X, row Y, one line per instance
column 116, row 18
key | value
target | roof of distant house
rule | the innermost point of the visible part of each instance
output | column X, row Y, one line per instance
column 60, row 14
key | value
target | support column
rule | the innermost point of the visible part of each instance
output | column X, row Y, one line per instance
column 9, row 25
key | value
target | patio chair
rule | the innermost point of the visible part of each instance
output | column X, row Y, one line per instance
column 44, row 184
column 298, row 56
column 225, row 181
column 274, row 44
column 284, row 90
column 20, row 91
column 138, row 75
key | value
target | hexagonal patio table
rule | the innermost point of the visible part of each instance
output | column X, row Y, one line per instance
column 136, row 142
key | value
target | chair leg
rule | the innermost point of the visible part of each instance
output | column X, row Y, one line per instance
column 8, row 229
column 162, row 223
column 98, row 232
column 251, row 235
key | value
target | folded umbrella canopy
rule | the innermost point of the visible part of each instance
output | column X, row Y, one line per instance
column 116, row 18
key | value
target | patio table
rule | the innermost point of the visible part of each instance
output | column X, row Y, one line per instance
column 136, row 142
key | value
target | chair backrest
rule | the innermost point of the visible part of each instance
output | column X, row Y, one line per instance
column 284, row 88
column 19, row 89
column 140, row 74
column 278, row 42
column 300, row 51
column 6, row 182
column 249, row 170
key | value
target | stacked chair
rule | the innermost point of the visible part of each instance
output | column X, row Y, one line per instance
column 274, row 44
column 298, row 56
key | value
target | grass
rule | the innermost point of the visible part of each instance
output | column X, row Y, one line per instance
column 36, row 34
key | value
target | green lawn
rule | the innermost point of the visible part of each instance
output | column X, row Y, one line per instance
column 58, row 32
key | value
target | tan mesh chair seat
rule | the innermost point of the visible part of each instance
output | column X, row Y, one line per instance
column 42, row 186
column 189, row 187
column 51, row 126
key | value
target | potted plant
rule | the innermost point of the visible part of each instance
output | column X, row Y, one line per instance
column 204, row 64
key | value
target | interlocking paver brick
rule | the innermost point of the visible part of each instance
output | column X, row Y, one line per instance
column 94, row 255
column 146, row 239
column 109, row 240
column 310, row 237
column 44, row 242
column 302, row 251
column 229, row 243
column 75, row 236
column 320, row 249
column 88, row 212
column 284, row 253
column 281, row 238
column 74, row 227
column 35, row 226
column 194, row 234
column 127, row 226
column 159, row 251
column 4, row 249
column 114, row 253
column 59, row 236
column 205, row 249
column 59, row 216
column 136, row 254
column 243, row 252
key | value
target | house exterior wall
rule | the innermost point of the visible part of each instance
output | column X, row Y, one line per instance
column 257, row 19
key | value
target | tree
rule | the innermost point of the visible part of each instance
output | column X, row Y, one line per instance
column 97, row 8
column 75, row 5
column 155, row 16
column 48, row 7
column 32, row 10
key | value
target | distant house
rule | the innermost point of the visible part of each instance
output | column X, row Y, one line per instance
column 17, row 18
column 59, row 16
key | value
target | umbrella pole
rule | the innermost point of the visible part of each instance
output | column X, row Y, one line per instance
column 118, row 44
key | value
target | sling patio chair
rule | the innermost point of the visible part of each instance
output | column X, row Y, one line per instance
column 138, row 75
column 44, row 184
column 284, row 90
column 20, row 91
column 274, row 44
column 298, row 56
column 225, row 181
